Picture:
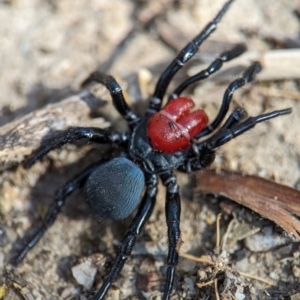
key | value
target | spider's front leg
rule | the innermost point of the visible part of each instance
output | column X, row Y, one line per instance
column 224, row 135
column 248, row 75
column 202, row 154
column 211, row 69
column 184, row 55
column 97, row 135
column 117, row 96
column 172, row 210
column 74, row 134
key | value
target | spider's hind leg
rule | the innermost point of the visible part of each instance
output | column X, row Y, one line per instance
column 144, row 212
column 172, row 212
column 60, row 196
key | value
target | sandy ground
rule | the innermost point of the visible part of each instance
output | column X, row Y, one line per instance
column 48, row 48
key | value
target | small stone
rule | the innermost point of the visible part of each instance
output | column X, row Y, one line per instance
column 188, row 265
column 190, row 284
column 243, row 264
column 68, row 292
column 274, row 276
column 3, row 291
column 84, row 274
column 210, row 219
column 202, row 274
column 265, row 240
column 239, row 296
column 296, row 271
column 252, row 259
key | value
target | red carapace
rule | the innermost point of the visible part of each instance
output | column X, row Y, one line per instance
column 172, row 128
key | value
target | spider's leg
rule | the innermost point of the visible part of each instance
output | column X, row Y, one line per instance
column 60, row 197
column 74, row 134
column 196, row 160
column 248, row 76
column 172, row 210
column 204, row 154
column 235, row 117
column 213, row 67
column 223, row 136
column 117, row 96
column 185, row 54
column 142, row 215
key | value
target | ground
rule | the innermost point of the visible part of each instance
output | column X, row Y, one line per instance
column 48, row 48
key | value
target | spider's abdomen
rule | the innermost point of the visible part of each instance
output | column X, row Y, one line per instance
column 115, row 188
column 172, row 128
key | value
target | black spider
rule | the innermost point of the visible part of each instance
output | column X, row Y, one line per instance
column 162, row 141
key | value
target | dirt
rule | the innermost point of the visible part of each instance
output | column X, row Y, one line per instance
column 48, row 48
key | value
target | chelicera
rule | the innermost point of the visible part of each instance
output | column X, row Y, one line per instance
column 162, row 141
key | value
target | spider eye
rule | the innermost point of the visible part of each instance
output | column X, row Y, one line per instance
column 115, row 188
column 172, row 128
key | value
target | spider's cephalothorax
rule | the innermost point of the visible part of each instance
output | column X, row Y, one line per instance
column 173, row 128
column 163, row 141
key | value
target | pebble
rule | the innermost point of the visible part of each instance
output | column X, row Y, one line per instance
column 265, row 240
column 187, row 265
column 84, row 274
column 239, row 296
column 296, row 271
column 252, row 259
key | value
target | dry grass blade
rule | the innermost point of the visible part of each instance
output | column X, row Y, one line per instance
column 273, row 201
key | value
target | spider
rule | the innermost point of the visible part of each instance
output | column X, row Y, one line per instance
column 162, row 141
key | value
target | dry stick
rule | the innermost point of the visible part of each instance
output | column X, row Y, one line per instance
column 218, row 230
column 22, row 136
column 216, row 288
column 276, row 202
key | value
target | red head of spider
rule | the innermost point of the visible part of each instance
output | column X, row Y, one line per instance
column 173, row 128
